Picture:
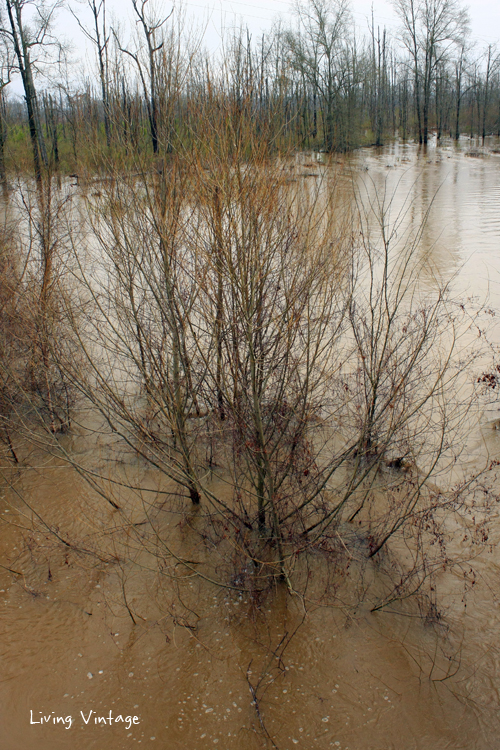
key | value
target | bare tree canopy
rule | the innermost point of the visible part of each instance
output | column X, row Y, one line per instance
column 431, row 30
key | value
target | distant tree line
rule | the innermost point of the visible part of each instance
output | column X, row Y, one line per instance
column 315, row 83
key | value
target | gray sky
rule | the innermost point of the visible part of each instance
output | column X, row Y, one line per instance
column 219, row 16
column 259, row 14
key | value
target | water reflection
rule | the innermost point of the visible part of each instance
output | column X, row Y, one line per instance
column 348, row 678
column 456, row 194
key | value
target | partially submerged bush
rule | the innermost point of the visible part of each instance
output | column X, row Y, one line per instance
column 247, row 342
column 34, row 340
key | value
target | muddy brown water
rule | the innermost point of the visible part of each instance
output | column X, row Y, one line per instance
column 77, row 673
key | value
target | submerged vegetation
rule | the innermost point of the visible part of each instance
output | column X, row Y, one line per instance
column 266, row 349
column 255, row 357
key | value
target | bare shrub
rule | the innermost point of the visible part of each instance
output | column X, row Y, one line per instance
column 288, row 373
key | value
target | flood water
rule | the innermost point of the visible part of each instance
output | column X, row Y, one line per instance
column 208, row 667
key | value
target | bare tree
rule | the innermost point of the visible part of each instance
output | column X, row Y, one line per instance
column 378, row 76
column 431, row 28
column 316, row 52
column 460, row 63
column 148, row 70
column 492, row 64
column 32, row 42
column 5, row 78
column 99, row 37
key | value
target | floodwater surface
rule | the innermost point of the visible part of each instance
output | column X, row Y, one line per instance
column 98, row 653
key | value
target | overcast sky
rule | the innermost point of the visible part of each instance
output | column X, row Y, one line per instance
column 259, row 15
column 219, row 16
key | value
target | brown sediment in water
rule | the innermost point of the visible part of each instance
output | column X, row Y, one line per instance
column 203, row 666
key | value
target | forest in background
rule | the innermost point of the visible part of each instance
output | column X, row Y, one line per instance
column 313, row 83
